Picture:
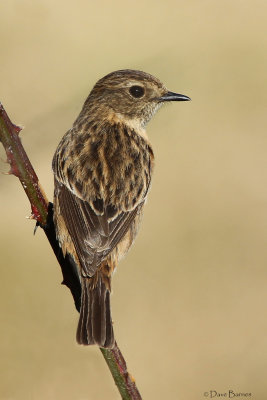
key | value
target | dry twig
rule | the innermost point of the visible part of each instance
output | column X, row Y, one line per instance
column 42, row 212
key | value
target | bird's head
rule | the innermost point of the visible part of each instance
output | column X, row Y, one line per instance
column 130, row 95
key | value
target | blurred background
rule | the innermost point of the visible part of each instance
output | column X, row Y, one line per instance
column 189, row 301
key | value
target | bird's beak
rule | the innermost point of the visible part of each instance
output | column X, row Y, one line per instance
column 170, row 96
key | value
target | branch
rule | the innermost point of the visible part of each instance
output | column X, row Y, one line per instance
column 42, row 212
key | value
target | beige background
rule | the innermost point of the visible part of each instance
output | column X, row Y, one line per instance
column 189, row 301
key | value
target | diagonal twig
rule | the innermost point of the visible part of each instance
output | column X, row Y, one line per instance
column 42, row 212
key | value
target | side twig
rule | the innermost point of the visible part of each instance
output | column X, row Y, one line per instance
column 42, row 212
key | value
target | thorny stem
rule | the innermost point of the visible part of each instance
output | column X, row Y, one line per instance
column 21, row 166
column 128, row 391
column 42, row 212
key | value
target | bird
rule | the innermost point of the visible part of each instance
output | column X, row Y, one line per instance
column 102, row 170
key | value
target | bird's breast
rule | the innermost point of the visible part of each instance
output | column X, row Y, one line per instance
column 113, row 164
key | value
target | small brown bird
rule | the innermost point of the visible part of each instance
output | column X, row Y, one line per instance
column 103, row 167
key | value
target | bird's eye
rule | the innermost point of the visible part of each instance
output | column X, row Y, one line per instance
column 137, row 91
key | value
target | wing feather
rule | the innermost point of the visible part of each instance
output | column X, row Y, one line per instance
column 94, row 236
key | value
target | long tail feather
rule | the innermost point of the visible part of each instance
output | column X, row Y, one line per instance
column 95, row 323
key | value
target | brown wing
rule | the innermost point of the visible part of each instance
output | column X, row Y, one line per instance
column 94, row 236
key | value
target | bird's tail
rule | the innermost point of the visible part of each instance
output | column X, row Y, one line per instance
column 95, row 323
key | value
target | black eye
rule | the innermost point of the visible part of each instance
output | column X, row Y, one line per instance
column 137, row 91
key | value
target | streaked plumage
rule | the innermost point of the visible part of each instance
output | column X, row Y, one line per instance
column 103, row 167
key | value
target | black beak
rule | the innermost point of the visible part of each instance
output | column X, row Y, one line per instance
column 170, row 96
